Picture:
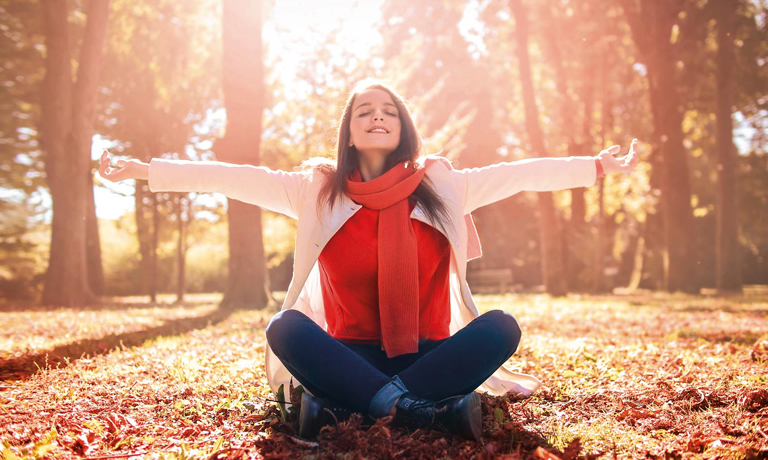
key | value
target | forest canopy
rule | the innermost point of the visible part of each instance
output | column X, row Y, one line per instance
column 486, row 81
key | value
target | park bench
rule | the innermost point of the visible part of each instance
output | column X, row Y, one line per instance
column 491, row 280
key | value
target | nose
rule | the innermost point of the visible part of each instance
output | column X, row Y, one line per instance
column 378, row 117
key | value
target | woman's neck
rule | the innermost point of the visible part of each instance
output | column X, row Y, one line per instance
column 371, row 167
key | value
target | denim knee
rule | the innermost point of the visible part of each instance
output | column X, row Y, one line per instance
column 504, row 330
column 281, row 327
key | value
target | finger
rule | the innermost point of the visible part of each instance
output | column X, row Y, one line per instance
column 120, row 163
column 103, row 169
column 613, row 150
column 631, row 163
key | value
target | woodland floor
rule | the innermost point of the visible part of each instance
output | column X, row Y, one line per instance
column 644, row 376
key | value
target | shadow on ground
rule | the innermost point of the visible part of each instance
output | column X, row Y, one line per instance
column 115, row 303
column 23, row 367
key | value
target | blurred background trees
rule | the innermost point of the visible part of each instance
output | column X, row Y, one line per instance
column 687, row 78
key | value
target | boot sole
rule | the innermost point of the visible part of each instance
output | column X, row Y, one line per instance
column 310, row 425
column 473, row 428
column 465, row 419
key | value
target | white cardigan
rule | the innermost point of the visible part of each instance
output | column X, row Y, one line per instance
column 295, row 195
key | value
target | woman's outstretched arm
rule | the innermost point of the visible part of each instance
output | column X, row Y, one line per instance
column 493, row 183
column 277, row 191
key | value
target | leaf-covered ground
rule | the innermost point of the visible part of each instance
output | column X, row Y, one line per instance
column 626, row 377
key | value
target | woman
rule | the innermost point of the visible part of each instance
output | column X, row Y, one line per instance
column 378, row 318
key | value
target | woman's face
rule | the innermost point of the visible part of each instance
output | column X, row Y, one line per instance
column 374, row 128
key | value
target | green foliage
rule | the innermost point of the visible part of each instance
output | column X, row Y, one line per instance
column 279, row 235
column 121, row 267
column 753, row 202
column 280, row 395
column 23, row 239
column 21, row 52
column 153, row 95
column 24, row 242
column 454, row 61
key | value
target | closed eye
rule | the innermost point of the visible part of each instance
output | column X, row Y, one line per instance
column 365, row 114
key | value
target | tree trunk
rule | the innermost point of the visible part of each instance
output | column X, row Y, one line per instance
column 144, row 234
column 728, row 257
column 599, row 282
column 598, row 263
column 66, row 129
column 247, row 284
column 155, row 243
column 181, row 249
column 585, row 146
column 575, row 231
column 637, row 264
column 551, row 244
column 92, row 241
column 651, row 24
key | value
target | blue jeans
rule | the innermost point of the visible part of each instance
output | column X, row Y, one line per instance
column 362, row 378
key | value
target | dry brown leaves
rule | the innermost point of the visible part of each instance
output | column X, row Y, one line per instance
column 655, row 377
column 760, row 351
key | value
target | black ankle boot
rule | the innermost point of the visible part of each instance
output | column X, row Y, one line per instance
column 459, row 415
column 317, row 413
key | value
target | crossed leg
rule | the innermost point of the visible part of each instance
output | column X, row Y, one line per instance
column 360, row 378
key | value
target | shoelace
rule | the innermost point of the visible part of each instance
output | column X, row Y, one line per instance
column 424, row 409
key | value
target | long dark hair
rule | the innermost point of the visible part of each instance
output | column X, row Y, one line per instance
column 347, row 158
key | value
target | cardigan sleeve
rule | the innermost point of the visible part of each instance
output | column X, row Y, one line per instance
column 493, row 183
column 277, row 191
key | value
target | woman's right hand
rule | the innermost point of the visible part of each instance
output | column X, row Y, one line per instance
column 130, row 169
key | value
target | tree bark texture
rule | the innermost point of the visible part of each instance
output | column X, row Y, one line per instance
column 602, row 237
column 68, row 110
column 153, row 251
column 93, row 241
column 575, row 231
column 143, row 201
column 181, row 246
column 651, row 23
column 728, row 255
column 243, row 82
column 551, row 244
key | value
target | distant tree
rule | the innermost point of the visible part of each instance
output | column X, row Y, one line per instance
column 243, row 83
column 551, row 243
column 651, row 23
column 575, row 71
column 21, row 76
column 729, row 259
column 182, row 203
column 154, row 97
column 68, row 110
column 22, row 170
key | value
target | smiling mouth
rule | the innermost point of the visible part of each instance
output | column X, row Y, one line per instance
column 379, row 131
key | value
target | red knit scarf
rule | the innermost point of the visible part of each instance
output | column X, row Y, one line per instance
column 397, row 254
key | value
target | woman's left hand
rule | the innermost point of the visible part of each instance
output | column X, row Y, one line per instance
column 624, row 164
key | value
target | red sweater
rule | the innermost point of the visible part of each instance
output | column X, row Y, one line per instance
column 349, row 280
